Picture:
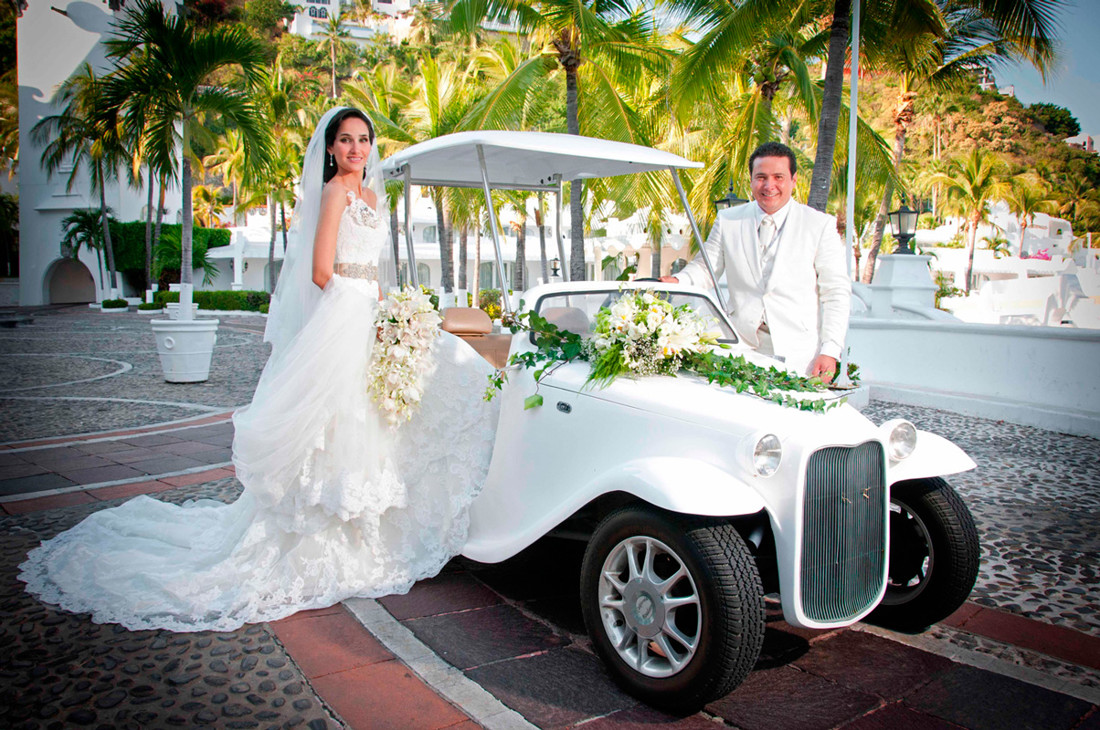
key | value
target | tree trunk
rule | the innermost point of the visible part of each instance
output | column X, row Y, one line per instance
column 332, row 55
column 830, row 105
column 446, row 263
column 149, row 233
column 188, row 221
column 396, row 245
column 112, row 286
column 463, row 251
column 160, row 212
column 519, row 273
column 970, row 254
column 271, row 245
column 576, row 187
column 282, row 214
column 543, row 262
column 477, row 265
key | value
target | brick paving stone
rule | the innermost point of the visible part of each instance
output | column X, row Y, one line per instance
column 133, row 453
column 36, row 483
column 23, row 469
column 216, row 455
column 483, row 635
column 1091, row 721
column 404, row 702
column 443, row 594
column 899, row 717
column 183, row 480
column 54, row 501
column 647, row 718
column 165, row 464
column 872, row 664
column 7, row 459
column 120, row 491
column 111, row 473
column 84, row 461
column 103, row 447
column 327, row 643
column 561, row 611
column 51, row 455
column 185, row 448
column 157, row 439
column 785, row 698
column 557, row 571
column 982, row 700
column 554, row 688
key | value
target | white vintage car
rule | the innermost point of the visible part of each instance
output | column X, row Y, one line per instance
column 696, row 501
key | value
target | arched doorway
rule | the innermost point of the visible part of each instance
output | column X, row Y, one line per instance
column 69, row 282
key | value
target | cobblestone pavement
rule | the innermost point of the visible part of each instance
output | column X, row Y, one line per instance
column 76, row 370
column 61, row 670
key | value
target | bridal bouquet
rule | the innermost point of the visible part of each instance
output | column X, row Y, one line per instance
column 642, row 334
column 407, row 324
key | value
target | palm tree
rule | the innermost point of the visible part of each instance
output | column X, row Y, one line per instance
column 1027, row 196
column 228, row 161
column 602, row 47
column 84, row 134
column 442, row 98
column 208, row 205
column 972, row 184
column 82, row 229
column 1078, row 198
column 9, row 123
column 165, row 82
column 333, row 35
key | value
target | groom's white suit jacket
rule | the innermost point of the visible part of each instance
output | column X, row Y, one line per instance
column 808, row 296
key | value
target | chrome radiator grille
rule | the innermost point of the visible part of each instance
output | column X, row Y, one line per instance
column 843, row 531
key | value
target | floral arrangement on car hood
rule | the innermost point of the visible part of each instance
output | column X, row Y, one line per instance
column 643, row 334
column 407, row 325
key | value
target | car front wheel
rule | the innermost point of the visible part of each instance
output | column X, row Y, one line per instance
column 934, row 555
column 673, row 605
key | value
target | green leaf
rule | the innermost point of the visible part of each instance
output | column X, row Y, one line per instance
column 532, row 401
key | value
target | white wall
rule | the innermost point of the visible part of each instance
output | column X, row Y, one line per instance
column 1038, row 376
column 50, row 47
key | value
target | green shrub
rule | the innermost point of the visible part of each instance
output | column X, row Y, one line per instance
column 150, row 306
column 247, row 301
column 114, row 304
column 128, row 240
column 264, row 308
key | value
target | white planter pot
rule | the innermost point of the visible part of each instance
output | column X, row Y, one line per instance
column 185, row 348
column 114, row 310
column 173, row 309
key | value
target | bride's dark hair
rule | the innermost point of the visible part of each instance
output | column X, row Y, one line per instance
column 333, row 127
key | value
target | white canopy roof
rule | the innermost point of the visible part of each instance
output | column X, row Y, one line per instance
column 525, row 160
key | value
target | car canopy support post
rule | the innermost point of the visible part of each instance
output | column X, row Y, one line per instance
column 698, row 236
column 557, row 230
column 493, row 225
column 413, row 278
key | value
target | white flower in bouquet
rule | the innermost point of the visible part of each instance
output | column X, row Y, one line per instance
column 407, row 324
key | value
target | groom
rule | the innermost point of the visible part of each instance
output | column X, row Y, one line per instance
column 784, row 263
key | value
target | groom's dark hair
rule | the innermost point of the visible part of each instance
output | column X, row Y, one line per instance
column 333, row 127
column 774, row 149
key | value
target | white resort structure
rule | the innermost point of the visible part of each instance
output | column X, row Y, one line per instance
column 1023, row 348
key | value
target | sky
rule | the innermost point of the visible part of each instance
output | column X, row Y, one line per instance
column 1074, row 82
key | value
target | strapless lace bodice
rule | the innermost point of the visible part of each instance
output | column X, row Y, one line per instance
column 361, row 235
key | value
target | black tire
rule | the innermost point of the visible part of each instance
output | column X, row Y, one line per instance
column 725, row 623
column 934, row 555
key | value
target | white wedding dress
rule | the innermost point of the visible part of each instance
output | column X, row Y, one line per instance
column 336, row 503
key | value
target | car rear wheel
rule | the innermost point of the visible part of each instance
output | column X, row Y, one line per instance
column 673, row 605
column 934, row 555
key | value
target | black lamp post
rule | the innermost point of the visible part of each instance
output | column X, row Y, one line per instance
column 555, row 268
column 903, row 222
column 730, row 200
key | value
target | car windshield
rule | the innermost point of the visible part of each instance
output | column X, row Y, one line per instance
column 576, row 311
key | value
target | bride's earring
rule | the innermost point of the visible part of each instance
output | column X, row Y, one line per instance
column 331, row 159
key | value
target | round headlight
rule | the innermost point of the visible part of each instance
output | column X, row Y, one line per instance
column 902, row 440
column 767, row 454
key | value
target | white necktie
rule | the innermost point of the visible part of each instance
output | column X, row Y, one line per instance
column 766, row 233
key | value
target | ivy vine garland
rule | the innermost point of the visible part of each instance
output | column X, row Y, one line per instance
column 642, row 334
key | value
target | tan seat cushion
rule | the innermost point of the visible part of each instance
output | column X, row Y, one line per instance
column 463, row 321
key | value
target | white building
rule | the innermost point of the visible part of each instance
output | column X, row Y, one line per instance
column 52, row 42
column 394, row 19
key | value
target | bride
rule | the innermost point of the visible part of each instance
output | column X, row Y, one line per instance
column 336, row 503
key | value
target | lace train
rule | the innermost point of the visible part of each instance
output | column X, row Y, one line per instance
column 335, row 504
